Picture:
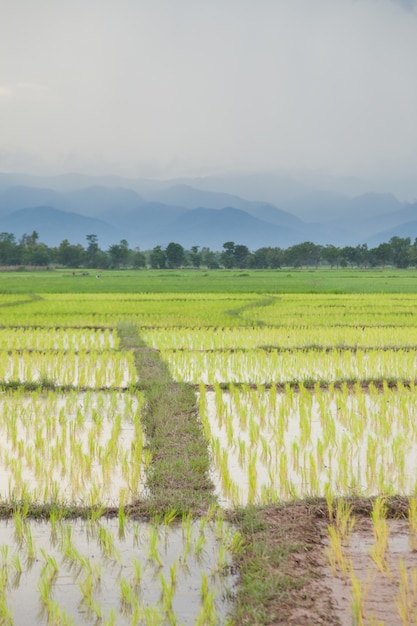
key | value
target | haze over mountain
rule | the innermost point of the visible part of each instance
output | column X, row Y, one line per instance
column 148, row 213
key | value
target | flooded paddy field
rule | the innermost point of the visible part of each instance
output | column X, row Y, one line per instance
column 157, row 448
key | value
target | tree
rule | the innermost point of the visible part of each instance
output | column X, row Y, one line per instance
column 157, row 258
column 228, row 254
column 92, row 250
column 138, row 259
column 175, row 255
column 9, row 250
column 332, row 255
column 195, row 257
column 119, row 253
column 401, row 251
column 210, row 258
column 68, row 254
column 381, row 255
column 241, row 255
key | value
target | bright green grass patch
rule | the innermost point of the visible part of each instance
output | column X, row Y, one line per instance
column 227, row 281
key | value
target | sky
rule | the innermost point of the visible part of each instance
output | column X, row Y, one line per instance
column 165, row 88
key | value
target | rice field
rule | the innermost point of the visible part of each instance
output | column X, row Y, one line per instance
column 297, row 395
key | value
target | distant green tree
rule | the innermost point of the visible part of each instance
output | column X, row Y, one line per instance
column 10, row 252
column 68, row 254
column 138, row 259
column 228, row 255
column 195, row 257
column 241, row 256
column 33, row 252
column 401, row 251
column 210, row 259
column 175, row 255
column 119, row 254
column 381, row 255
column 157, row 258
column 332, row 255
column 92, row 252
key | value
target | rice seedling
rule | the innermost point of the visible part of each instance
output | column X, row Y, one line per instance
column 167, row 592
column 128, row 596
column 406, row 600
column 357, row 602
column 153, row 553
column 381, row 535
column 412, row 522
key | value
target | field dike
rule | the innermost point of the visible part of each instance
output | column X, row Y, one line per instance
column 178, row 476
column 280, row 559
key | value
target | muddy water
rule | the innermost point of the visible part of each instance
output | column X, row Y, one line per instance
column 71, row 448
column 112, row 558
column 381, row 592
column 354, row 444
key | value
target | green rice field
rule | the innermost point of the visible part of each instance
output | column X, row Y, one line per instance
column 151, row 421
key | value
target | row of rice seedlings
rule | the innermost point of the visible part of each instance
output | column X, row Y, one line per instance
column 118, row 578
column 58, row 339
column 268, row 446
column 83, row 448
column 83, row 369
column 402, row 575
column 326, row 310
column 259, row 366
column 73, row 310
column 256, row 337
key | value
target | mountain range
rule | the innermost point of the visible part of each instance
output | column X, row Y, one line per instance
column 204, row 212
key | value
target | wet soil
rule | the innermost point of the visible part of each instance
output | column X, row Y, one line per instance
column 314, row 595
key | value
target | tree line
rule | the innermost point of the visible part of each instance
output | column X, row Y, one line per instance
column 400, row 252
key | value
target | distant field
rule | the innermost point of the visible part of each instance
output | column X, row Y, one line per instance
column 218, row 281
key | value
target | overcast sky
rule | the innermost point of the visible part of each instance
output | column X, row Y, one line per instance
column 187, row 87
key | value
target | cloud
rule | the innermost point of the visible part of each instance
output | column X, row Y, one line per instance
column 5, row 91
column 22, row 90
column 407, row 5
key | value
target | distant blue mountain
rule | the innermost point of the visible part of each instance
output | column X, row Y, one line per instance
column 53, row 226
column 153, row 213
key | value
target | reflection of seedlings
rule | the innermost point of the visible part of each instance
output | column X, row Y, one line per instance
column 86, row 587
column 106, row 543
column 199, row 544
column 208, row 614
column 30, row 547
column 153, row 545
column 167, row 592
column 50, row 567
column 18, row 571
column 128, row 595
column 187, row 532
column 111, row 619
column 137, row 572
column 5, row 565
column 5, row 615
column 173, row 574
